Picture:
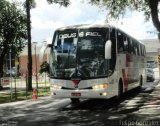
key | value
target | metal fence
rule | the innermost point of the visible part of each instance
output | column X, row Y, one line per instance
column 15, row 88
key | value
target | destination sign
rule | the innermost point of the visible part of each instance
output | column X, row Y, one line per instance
column 69, row 35
column 85, row 34
column 81, row 34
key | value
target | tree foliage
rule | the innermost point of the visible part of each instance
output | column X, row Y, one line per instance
column 12, row 30
column 44, row 68
column 117, row 8
column 32, row 4
column 64, row 3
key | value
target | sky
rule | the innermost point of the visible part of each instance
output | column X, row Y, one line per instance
column 46, row 18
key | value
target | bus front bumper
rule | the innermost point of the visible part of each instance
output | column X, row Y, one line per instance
column 61, row 93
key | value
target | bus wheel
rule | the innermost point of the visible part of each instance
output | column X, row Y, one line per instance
column 120, row 90
column 74, row 100
column 141, row 83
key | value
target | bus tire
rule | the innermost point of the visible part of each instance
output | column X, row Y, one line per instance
column 140, row 82
column 120, row 90
column 75, row 100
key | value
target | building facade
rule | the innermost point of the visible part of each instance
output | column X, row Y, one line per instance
column 152, row 49
column 23, row 61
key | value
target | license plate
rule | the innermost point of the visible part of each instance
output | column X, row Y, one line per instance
column 76, row 94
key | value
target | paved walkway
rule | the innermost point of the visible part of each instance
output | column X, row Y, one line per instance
column 149, row 113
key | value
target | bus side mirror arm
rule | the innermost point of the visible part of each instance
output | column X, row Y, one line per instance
column 108, row 46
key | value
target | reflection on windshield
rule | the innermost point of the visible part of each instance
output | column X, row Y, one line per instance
column 79, row 56
column 65, row 57
column 90, row 55
column 66, row 47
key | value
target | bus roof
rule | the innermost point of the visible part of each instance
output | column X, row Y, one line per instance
column 83, row 26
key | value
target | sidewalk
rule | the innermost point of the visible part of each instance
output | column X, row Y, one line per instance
column 151, row 107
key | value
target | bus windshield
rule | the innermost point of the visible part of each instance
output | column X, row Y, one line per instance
column 79, row 54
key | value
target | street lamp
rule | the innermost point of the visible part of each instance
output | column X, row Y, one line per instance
column 44, row 44
column 35, row 47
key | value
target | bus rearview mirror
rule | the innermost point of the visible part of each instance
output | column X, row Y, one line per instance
column 108, row 46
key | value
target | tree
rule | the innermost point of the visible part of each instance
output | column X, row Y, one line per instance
column 117, row 8
column 29, row 4
column 12, row 30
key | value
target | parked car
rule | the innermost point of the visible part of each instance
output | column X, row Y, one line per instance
column 150, row 75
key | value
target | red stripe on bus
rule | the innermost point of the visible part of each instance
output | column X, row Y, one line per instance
column 125, row 80
column 128, row 60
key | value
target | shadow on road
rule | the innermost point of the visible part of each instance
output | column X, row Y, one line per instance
column 101, row 104
column 98, row 111
column 106, row 104
column 92, row 112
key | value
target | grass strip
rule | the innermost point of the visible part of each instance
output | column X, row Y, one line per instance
column 22, row 95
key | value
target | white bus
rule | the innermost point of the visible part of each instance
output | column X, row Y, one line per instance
column 95, row 61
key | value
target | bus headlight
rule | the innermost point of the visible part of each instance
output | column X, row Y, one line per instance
column 100, row 86
column 55, row 87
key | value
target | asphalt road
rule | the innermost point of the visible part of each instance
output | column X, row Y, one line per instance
column 135, row 108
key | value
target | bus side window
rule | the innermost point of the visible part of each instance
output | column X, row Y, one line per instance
column 134, row 50
column 144, row 51
column 59, row 46
column 125, row 44
column 131, row 46
column 112, row 38
column 113, row 53
column 136, row 47
column 140, row 53
column 139, row 50
column 120, row 42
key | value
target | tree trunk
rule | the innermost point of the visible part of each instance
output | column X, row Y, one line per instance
column 2, row 60
column 29, row 86
column 153, row 4
column 1, row 65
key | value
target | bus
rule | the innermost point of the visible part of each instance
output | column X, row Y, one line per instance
column 95, row 61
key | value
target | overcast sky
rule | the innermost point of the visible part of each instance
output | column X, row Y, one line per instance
column 46, row 18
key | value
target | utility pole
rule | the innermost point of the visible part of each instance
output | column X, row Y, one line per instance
column 35, row 47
